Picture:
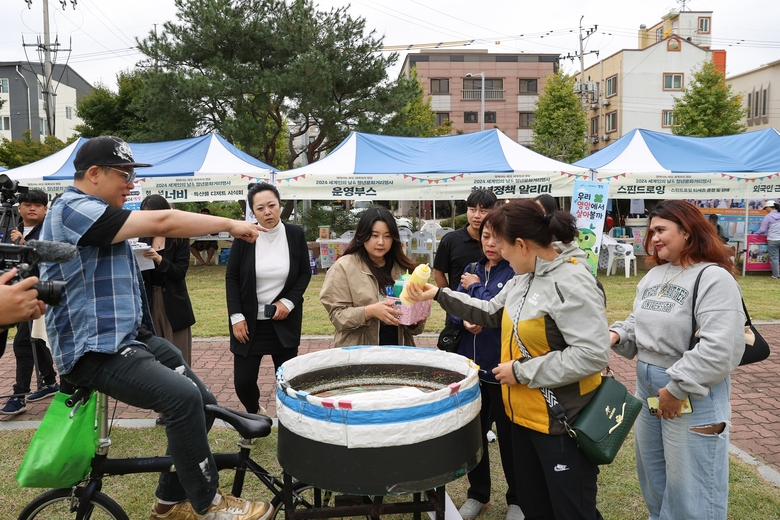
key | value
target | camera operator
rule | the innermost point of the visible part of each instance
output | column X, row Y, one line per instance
column 101, row 338
column 18, row 302
column 32, row 210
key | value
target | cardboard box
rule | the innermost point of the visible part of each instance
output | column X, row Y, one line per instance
column 324, row 232
column 411, row 314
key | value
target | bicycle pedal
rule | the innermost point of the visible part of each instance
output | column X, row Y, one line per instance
column 246, row 443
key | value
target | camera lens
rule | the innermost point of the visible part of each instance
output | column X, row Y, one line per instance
column 50, row 292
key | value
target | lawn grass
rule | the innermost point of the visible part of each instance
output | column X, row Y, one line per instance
column 207, row 292
column 750, row 496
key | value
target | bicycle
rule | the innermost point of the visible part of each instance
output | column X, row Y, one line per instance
column 86, row 500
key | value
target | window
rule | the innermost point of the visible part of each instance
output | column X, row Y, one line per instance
column 528, row 86
column 526, row 119
column 668, row 118
column 3, row 85
column 471, row 117
column 757, row 104
column 594, row 125
column 42, row 126
column 673, row 81
column 763, row 104
column 441, row 117
column 611, row 86
column 610, row 120
column 490, row 117
column 704, row 24
column 5, row 124
column 673, row 44
column 440, row 86
column 659, row 34
column 749, row 105
column 68, row 113
column 476, row 84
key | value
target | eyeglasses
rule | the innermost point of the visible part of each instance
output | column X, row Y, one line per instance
column 129, row 176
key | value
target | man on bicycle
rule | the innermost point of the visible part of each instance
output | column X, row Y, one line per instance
column 102, row 336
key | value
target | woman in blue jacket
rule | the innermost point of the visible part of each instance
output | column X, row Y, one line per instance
column 483, row 280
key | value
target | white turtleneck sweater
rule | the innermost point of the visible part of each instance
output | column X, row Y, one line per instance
column 272, row 265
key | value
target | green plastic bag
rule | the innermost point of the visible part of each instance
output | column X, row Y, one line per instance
column 62, row 448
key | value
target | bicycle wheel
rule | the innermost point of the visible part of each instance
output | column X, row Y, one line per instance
column 61, row 504
column 303, row 498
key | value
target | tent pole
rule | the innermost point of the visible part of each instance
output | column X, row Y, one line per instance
column 747, row 218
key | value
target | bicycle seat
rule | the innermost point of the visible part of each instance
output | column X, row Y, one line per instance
column 248, row 425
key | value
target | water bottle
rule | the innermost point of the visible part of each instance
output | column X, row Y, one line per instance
column 420, row 276
column 312, row 262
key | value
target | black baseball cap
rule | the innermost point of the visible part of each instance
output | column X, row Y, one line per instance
column 105, row 150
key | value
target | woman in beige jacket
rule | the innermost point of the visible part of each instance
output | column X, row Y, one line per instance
column 356, row 285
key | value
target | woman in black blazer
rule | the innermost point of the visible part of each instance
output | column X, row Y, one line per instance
column 265, row 282
column 166, row 289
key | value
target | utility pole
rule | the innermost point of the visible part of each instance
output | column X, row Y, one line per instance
column 584, row 87
column 46, row 49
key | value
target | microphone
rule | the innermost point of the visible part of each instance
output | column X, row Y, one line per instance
column 56, row 252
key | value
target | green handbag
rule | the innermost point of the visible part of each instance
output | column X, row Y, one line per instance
column 604, row 423
column 61, row 450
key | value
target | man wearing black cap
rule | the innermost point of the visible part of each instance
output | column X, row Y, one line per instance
column 101, row 336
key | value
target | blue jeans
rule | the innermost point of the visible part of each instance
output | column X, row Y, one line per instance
column 157, row 377
column 683, row 474
column 773, row 248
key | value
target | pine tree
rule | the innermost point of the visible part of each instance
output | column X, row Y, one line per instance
column 560, row 126
column 707, row 107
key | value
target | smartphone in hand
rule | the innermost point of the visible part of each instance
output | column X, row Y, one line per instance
column 652, row 404
column 269, row 311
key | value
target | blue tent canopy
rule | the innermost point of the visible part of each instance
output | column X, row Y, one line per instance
column 753, row 152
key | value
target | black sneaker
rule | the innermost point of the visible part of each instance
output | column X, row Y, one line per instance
column 43, row 392
column 14, row 406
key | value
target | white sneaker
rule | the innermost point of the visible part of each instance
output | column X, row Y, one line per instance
column 514, row 512
column 471, row 508
column 491, row 437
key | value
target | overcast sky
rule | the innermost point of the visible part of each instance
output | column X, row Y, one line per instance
column 101, row 33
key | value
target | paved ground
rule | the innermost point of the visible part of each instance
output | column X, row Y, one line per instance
column 755, row 392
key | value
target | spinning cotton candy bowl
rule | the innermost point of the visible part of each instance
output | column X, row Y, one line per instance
column 378, row 420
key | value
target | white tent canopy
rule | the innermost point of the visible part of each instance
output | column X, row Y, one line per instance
column 202, row 168
column 654, row 165
column 377, row 167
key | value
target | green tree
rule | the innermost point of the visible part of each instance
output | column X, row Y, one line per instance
column 26, row 150
column 707, row 107
column 559, row 127
column 417, row 119
column 143, row 109
column 247, row 68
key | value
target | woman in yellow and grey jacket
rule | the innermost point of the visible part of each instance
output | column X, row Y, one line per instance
column 556, row 310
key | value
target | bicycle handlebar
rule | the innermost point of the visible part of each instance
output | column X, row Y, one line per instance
column 81, row 394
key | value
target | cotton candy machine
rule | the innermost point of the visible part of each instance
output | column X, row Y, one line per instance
column 378, row 420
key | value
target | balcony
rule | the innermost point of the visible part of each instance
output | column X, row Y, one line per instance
column 476, row 95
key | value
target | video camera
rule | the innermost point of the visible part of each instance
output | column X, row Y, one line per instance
column 9, row 189
column 27, row 257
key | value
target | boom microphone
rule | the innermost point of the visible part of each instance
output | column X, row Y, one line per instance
column 56, row 252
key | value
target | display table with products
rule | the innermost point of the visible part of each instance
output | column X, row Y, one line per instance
column 331, row 250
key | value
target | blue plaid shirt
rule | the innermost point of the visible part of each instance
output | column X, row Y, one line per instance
column 104, row 302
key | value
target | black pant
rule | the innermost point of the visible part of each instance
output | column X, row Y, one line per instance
column 245, row 372
column 555, row 481
column 23, row 350
column 479, row 477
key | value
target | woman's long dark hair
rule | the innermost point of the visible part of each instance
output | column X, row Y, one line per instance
column 394, row 256
column 154, row 203
column 703, row 245
column 525, row 218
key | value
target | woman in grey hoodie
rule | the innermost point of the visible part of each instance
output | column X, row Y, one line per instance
column 682, row 436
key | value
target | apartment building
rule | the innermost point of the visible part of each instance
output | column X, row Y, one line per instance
column 762, row 104
column 24, row 109
column 512, row 84
column 635, row 88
